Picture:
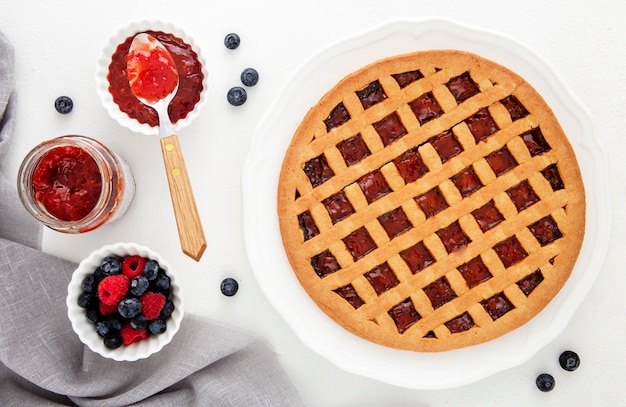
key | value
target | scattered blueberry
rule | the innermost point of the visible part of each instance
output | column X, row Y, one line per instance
column 129, row 307
column 232, row 41
column 157, row 326
column 569, row 360
column 111, row 265
column 249, row 77
column 139, row 285
column 63, row 104
column 151, row 269
column 167, row 310
column 229, row 287
column 139, row 323
column 237, row 96
column 545, row 382
column 102, row 329
column 113, row 342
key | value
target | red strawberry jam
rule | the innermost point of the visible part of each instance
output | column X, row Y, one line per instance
column 67, row 182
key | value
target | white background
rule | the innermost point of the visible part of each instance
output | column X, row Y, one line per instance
column 57, row 44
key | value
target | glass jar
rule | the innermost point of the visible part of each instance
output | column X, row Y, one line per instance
column 74, row 184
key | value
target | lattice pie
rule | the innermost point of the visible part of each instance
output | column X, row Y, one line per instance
column 431, row 201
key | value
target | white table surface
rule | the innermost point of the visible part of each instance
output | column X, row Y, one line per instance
column 57, row 44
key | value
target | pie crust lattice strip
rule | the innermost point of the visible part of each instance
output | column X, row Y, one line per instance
column 431, row 201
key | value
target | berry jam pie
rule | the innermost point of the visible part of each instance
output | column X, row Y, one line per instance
column 431, row 201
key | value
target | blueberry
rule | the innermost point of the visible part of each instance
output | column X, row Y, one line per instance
column 157, row 326
column 167, row 309
column 63, row 104
column 162, row 282
column 249, row 77
column 113, row 342
column 139, row 285
column 93, row 315
column 88, row 283
column 151, row 269
column 569, row 360
column 114, row 322
column 237, row 96
column 98, row 276
column 545, row 382
column 103, row 329
column 129, row 308
column 111, row 265
column 229, row 287
column 232, row 41
column 86, row 300
column 139, row 323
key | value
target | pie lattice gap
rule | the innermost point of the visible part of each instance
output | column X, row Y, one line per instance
column 434, row 204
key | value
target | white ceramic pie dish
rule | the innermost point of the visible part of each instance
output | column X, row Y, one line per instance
column 102, row 70
column 86, row 331
column 278, row 281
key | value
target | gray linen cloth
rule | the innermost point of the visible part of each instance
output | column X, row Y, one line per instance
column 42, row 361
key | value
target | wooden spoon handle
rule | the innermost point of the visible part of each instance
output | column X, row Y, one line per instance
column 188, row 222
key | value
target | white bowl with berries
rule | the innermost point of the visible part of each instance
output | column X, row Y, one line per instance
column 124, row 302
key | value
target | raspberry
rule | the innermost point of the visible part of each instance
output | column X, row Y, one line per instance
column 152, row 304
column 106, row 309
column 113, row 288
column 129, row 335
column 132, row 266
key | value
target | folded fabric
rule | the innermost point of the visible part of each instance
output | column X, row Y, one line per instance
column 42, row 361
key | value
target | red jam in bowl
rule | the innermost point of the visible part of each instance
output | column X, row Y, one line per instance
column 151, row 70
column 189, row 73
column 67, row 182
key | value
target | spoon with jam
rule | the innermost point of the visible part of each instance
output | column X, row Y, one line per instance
column 153, row 79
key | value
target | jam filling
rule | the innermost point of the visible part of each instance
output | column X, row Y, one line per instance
column 474, row 272
column 551, row 173
column 426, row 108
column 417, row 257
column 432, row 202
column 395, row 222
column 371, row 94
column 338, row 116
column 307, row 225
column 406, row 78
column 510, row 251
column 467, row 182
column 439, row 292
column 348, row 293
column 429, row 335
column 382, row 278
column 461, row 323
column 522, row 196
column 318, row 171
column 190, row 78
column 535, row 142
column 530, row 282
column 359, row 243
column 404, row 315
column 514, row 107
column 374, row 186
column 545, row 230
column 353, row 150
column 410, row 165
column 453, row 237
column 67, row 182
column 487, row 216
column 390, row 129
column 497, row 305
column 501, row 161
column 446, row 145
column 462, row 87
column 481, row 125
column 324, row 264
column 338, row 206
